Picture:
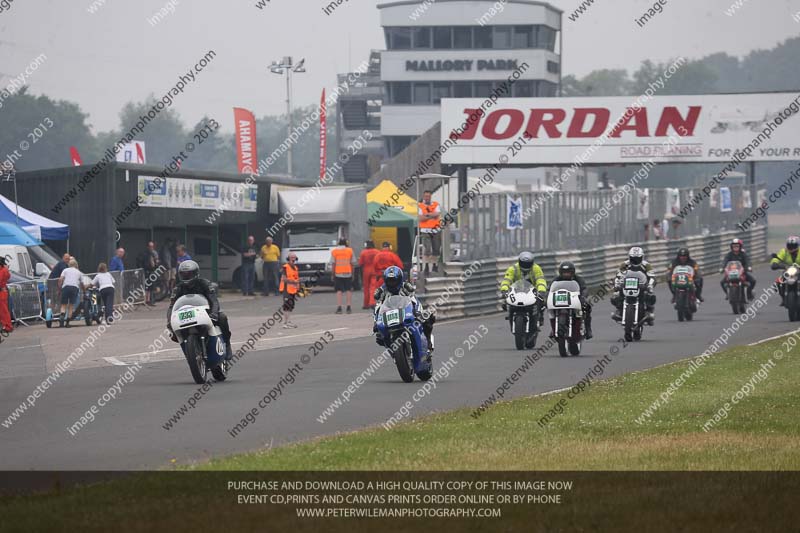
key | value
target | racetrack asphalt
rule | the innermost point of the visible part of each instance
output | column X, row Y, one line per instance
column 128, row 433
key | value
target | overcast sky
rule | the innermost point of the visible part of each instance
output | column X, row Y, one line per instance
column 105, row 59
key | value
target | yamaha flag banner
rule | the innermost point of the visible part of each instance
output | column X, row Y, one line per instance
column 246, row 152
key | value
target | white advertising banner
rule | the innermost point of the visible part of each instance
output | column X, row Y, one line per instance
column 621, row 129
column 197, row 194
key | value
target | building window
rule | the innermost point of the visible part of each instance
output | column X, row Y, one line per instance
column 462, row 89
column 483, row 37
column 523, row 37
column 547, row 38
column 502, row 37
column 547, row 88
column 552, row 67
column 482, row 89
column 422, row 93
column 399, row 38
column 524, row 88
column 441, row 89
column 442, row 37
column 462, row 37
column 401, row 92
column 422, row 37
column 398, row 143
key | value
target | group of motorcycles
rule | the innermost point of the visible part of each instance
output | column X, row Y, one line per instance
column 563, row 304
column 395, row 319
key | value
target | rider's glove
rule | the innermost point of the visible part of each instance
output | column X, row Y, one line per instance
column 172, row 335
column 214, row 317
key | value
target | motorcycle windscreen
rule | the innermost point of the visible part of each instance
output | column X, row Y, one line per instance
column 522, row 285
column 191, row 300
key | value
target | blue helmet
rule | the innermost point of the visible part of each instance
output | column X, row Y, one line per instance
column 393, row 278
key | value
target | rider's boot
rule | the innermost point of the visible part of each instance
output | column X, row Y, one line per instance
column 588, row 323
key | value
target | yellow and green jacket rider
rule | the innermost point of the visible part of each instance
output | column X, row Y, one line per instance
column 785, row 257
column 514, row 274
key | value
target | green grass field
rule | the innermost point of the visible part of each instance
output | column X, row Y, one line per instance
column 595, row 432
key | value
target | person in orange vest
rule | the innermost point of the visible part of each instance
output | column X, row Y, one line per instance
column 5, row 315
column 342, row 262
column 289, row 287
column 430, row 230
column 366, row 261
column 383, row 260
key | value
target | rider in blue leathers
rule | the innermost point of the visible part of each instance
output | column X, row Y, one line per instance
column 394, row 284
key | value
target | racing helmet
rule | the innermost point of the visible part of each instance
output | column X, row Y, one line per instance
column 188, row 273
column 635, row 255
column 525, row 262
column 739, row 243
column 683, row 255
column 567, row 267
column 393, row 278
column 792, row 243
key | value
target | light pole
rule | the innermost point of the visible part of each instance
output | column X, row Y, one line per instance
column 285, row 66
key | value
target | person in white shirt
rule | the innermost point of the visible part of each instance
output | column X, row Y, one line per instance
column 105, row 282
column 70, row 285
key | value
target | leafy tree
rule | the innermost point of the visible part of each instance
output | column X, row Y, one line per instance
column 27, row 119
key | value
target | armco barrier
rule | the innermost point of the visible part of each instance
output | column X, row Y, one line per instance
column 479, row 294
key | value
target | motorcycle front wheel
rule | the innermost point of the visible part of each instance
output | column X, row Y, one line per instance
column 520, row 337
column 196, row 357
column 402, row 358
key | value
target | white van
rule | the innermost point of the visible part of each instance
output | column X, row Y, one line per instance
column 229, row 261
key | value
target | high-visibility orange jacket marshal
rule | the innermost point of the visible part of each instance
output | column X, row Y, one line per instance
column 342, row 259
column 431, row 224
column 292, row 276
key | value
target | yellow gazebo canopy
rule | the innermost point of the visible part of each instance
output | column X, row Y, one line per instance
column 383, row 193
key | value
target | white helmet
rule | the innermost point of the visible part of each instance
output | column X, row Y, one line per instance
column 635, row 255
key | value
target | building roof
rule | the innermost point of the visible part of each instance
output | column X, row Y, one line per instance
column 414, row 2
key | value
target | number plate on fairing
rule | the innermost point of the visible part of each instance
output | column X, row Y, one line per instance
column 561, row 299
column 186, row 316
column 393, row 317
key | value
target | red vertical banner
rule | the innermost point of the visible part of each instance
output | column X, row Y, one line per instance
column 246, row 153
column 323, row 136
column 75, row 156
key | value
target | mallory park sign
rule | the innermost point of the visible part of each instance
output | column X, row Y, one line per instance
column 463, row 65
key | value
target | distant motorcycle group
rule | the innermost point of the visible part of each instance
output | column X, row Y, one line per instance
column 526, row 296
column 406, row 330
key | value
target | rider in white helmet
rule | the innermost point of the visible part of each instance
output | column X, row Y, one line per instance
column 635, row 261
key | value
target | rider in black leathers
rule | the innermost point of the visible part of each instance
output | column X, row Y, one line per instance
column 190, row 282
column 566, row 272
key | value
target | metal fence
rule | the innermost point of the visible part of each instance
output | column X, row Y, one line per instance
column 587, row 219
column 597, row 264
column 25, row 300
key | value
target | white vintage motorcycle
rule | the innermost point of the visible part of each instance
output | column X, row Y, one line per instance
column 566, row 316
column 201, row 341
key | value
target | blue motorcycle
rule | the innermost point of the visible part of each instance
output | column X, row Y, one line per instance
column 402, row 333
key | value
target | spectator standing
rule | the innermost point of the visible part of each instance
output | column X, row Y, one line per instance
column 60, row 267
column 70, row 285
column 249, row 266
column 430, row 230
column 342, row 262
column 289, row 286
column 181, row 256
column 366, row 260
column 5, row 315
column 383, row 260
column 150, row 262
column 104, row 281
column 116, row 264
column 270, row 272
column 167, row 257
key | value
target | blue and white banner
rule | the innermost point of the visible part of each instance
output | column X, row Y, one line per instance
column 725, row 199
column 514, row 213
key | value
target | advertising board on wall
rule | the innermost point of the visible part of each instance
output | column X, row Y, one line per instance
column 621, row 129
column 197, row 194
